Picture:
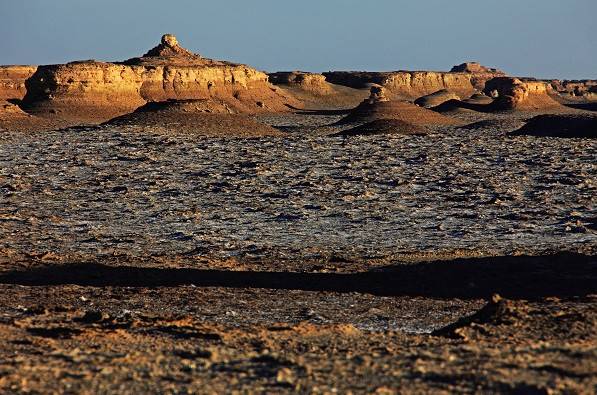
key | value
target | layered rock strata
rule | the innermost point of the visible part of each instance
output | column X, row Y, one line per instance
column 463, row 80
column 406, row 84
column 92, row 90
column 12, row 81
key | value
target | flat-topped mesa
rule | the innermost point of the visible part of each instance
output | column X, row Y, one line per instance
column 478, row 73
column 407, row 85
column 475, row 67
column 12, row 81
column 463, row 80
column 515, row 94
column 94, row 91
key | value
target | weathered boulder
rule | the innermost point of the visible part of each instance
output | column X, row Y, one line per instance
column 512, row 93
column 97, row 91
column 12, row 81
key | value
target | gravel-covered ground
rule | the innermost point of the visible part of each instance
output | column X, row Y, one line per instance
column 136, row 260
column 104, row 192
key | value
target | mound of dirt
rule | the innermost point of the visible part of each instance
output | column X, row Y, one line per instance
column 384, row 126
column 478, row 98
column 436, row 98
column 14, row 119
column 183, row 107
column 378, row 106
column 561, row 125
column 200, row 117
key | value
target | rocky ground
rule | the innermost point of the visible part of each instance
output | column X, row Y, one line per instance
column 144, row 260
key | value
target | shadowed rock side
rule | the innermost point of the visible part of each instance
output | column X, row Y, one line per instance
column 383, row 126
column 96, row 91
column 204, row 117
column 436, row 98
column 561, row 125
column 12, row 81
column 315, row 92
column 378, row 106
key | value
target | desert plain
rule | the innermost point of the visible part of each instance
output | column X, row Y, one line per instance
column 177, row 224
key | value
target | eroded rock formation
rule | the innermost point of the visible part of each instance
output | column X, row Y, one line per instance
column 379, row 106
column 97, row 91
column 314, row 92
column 309, row 81
column 12, row 81
column 406, row 84
column 479, row 74
column 512, row 93
column 463, row 80
column 586, row 89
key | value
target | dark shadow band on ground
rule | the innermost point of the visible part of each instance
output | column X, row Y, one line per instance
column 521, row 277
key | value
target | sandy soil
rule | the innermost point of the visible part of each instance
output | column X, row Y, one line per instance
column 155, row 261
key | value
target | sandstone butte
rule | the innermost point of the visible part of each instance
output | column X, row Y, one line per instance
column 93, row 91
column 97, row 91
column 463, row 80
column 515, row 94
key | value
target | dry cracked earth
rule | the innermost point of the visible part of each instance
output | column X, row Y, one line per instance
column 134, row 261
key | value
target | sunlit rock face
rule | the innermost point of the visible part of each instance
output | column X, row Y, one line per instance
column 96, row 91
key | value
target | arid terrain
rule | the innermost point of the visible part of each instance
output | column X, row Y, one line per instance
column 177, row 224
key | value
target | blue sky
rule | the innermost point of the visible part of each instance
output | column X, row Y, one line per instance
column 542, row 38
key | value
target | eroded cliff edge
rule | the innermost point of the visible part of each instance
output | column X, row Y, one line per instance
column 97, row 91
